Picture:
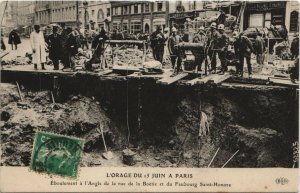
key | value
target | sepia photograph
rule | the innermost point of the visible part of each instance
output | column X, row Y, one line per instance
column 149, row 84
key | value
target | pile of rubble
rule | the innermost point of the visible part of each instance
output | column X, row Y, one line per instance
column 79, row 117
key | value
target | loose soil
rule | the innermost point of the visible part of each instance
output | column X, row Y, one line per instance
column 261, row 125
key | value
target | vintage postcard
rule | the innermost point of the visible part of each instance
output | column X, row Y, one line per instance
column 149, row 96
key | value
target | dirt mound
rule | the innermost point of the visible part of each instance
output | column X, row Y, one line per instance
column 78, row 117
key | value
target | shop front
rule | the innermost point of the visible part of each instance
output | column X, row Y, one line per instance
column 263, row 14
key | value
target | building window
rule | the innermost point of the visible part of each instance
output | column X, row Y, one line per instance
column 125, row 10
column 192, row 5
column 159, row 6
column 93, row 13
column 100, row 14
column 147, row 8
column 108, row 12
column 125, row 26
column 294, row 21
column 117, row 11
column 136, row 27
column 136, row 9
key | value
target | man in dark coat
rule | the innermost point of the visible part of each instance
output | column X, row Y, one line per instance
column 260, row 48
column 222, row 46
column 295, row 46
column 158, row 43
column 243, row 49
column 97, row 49
column 213, row 36
column 55, row 47
column 3, row 47
column 14, row 39
column 72, row 45
column 64, row 36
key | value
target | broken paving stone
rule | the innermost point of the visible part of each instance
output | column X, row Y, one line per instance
column 74, row 98
column 157, row 158
column 23, row 104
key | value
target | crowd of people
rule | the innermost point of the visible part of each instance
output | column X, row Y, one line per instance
column 65, row 43
column 214, row 42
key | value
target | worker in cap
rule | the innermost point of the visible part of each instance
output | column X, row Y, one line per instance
column 98, row 50
column 176, row 57
column 55, row 47
column 295, row 46
column 260, row 48
column 157, row 44
column 222, row 47
column 212, row 39
column 213, row 25
column 242, row 48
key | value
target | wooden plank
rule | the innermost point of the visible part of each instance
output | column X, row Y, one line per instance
column 4, row 53
column 169, row 80
column 284, row 82
column 104, row 72
column 220, row 78
column 126, row 68
column 199, row 80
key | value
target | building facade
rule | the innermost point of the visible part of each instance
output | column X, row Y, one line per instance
column 42, row 13
column 9, row 16
column 64, row 12
column 25, row 16
column 95, row 15
column 139, row 16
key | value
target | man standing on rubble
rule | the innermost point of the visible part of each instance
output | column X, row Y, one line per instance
column 260, row 48
column 55, row 47
column 158, row 44
column 72, row 45
column 199, row 54
column 175, row 55
column 222, row 47
column 38, row 46
column 98, row 50
column 243, row 49
column 212, row 46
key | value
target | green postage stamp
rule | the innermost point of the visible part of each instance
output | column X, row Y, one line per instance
column 56, row 154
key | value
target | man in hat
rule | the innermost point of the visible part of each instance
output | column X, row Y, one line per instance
column 64, row 36
column 38, row 46
column 157, row 43
column 97, row 49
column 260, row 48
column 55, row 47
column 243, row 49
column 14, row 39
column 176, row 57
column 222, row 47
column 213, row 36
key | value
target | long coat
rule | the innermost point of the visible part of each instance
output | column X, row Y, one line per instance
column 243, row 46
column 55, row 47
column 38, row 43
column 259, row 45
column 14, row 38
